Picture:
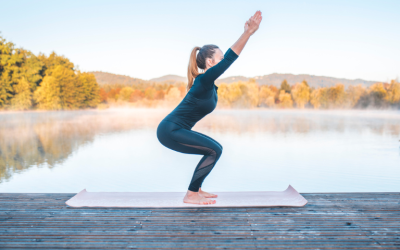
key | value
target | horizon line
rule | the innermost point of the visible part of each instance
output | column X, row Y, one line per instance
column 388, row 81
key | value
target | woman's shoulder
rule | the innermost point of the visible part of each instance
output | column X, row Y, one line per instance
column 199, row 77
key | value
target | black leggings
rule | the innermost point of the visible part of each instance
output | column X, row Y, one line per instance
column 187, row 141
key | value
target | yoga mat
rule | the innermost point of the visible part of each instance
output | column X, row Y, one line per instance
column 290, row 197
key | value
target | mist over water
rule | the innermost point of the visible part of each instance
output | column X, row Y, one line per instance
column 117, row 150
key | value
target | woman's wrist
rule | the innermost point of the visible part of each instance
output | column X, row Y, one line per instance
column 247, row 32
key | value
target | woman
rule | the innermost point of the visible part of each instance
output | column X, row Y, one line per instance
column 174, row 131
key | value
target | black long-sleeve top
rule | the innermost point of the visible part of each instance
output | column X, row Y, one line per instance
column 202, row 97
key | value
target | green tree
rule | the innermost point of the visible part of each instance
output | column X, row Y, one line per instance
column 285, row 86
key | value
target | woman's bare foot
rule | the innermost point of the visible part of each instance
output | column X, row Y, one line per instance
column 206, row 194
column 196, row 198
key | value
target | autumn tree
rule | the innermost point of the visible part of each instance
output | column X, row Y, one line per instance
column 354, row 94
column 88, row 90
column 336, row 96
column 228, row 93
column 182, row 89
column 126, row 93
column 136, row 96
column 47, row 82
column 376, row 96
column 22, row 100
column 114, row 93
column 173, row 95
column 285, row 100
column 58, row 90
column 150, row 92
column 8, row 65
column 103, row 95
column 393, row 92
column 249, row 97
column 159, row 95
column 267, row 96
column 54, row 60
column 301, row 94
column 318, row 98
column 20, row 74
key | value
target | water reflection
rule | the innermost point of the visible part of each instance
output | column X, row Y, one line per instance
column 304, row 122
column 33, row 138
column 29, row 139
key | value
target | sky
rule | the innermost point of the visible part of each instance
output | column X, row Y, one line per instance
column 148, row 39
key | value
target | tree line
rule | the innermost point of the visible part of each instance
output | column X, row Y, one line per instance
column 52, row 82
column 251, row 95
column 29, row 81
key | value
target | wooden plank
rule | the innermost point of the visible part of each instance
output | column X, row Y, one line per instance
column 328, row 221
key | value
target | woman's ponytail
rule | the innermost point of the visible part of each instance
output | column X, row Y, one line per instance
column 193, row 70
column 199, row 61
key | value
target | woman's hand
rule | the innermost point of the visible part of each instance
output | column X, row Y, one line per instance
column 250, row 27
column 253, row 23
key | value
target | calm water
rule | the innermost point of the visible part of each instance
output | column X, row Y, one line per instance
column 117, row 150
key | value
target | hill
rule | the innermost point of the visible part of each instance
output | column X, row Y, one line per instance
column 108, row 78
column 313, row 81
column 271, row 79
column 169, row 78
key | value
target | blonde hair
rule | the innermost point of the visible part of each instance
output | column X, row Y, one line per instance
column 199, row 61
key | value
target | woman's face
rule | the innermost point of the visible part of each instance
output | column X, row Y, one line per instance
column 218, row 56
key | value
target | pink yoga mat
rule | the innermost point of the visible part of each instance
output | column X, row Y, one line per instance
column 290, row 197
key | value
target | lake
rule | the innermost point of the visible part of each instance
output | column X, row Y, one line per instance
column 263, row 150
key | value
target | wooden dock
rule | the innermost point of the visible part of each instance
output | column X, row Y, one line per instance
column 328, row 221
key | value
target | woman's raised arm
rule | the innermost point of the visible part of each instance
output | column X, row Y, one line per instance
column 233, row 52
column 250, row 27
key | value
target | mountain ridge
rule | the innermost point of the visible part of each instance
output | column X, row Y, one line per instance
column 274, row 79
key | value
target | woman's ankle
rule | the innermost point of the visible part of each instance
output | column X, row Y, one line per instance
column 192, row 193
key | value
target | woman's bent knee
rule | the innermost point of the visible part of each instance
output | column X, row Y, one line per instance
column 218, row 152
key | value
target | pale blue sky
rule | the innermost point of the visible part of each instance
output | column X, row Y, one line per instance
column 146, row 39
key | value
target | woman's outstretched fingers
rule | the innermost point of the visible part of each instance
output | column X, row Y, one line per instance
column 258, row 15
column 258, row 18
column 253, row 23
